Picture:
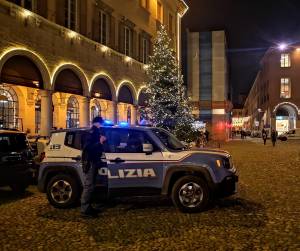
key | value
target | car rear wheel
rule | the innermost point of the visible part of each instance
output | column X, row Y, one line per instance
column 63, row 191
column 190, row 194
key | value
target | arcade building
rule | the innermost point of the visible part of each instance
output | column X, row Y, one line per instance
column 274, row 99
column 63, row 62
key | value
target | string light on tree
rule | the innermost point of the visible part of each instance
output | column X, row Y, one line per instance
column 167, row 105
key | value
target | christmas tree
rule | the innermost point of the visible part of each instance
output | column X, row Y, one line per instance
column 167, row 104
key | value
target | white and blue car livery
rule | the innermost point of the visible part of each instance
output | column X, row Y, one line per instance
column 138, row 161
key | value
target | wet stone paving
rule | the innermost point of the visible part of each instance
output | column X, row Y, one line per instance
column 263, row 215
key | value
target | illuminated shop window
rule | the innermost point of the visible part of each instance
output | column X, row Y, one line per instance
column 285, row 60
column 285, row 88
column 70, row 14
column 8, row 108
column 95, row 110
column 72, row 113
column 38, row 116
column 129, row 115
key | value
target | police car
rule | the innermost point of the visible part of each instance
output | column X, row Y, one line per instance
column 139, row 161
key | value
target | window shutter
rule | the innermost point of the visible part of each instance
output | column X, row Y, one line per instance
column 42, row 8
column 60, row 12
column 150, row 48
column 134, row 49
column 111, row 30
column 121, row 38
column 81, row 16
column 140, row 58
column 96, row 25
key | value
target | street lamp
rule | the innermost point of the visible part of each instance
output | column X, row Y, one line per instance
column 282, row 46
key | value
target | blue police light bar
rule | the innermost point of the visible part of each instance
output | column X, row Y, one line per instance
column 123, row 124
column 108, row 122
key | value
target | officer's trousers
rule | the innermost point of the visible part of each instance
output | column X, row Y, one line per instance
column 89, row 183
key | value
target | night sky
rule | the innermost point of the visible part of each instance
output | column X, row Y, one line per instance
column 251, row 27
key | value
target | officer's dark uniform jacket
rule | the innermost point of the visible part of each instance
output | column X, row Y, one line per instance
column 92, row 148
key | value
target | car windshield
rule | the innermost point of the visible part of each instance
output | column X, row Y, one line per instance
column 168, row 139
column 13, row 142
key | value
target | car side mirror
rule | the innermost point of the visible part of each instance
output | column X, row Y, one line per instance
column 148, row 148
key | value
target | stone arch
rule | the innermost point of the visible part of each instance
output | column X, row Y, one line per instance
column 108, row 81
column 286, row 111
column 77, row 71
column 127, row 85
column 32, row 56
column 288, row 106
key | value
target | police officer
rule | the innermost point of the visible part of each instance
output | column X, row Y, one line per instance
column 91, row 159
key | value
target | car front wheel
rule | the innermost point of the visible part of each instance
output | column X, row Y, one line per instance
column 63, row 191
column 190, row 194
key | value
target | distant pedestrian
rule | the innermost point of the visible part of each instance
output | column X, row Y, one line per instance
column 274, row 135
column 264, row 135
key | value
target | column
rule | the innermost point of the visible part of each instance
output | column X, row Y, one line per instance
column 46, row 112
column 133, row 114
column 84, row 112
column 115, row 111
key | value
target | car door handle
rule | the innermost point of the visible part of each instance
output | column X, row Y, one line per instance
column 117, row 160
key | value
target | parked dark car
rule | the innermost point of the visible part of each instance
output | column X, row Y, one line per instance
column 16, row 160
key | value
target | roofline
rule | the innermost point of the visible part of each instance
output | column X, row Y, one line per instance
column 255, row 80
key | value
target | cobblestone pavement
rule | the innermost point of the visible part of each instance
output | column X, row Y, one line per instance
column 264, row 215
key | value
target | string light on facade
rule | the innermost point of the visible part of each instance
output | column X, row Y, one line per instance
column 26, row 13
column 127, row 59
column 104, row 48
column 97, row 94
column 72, row 34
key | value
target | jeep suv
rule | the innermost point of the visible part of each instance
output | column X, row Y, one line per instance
column 138, row 161
column 16, row 160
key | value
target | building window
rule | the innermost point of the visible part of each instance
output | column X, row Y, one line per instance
column 285, row 88
column 171, row 24
column 70, row 14
column 145, row 50
column 128, row 41
column 285, row 60
column 72, row 113
column 145, row 4
column 159, row 12
column 38, row 116
column 8, row 108
column 103, row 17
column 95, row 110
column 129, row 115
